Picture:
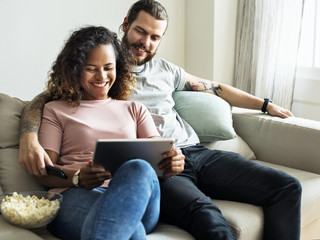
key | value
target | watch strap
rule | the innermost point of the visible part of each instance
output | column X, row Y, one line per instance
column 265, row 104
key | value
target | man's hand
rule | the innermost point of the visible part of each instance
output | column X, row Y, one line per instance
column 275, row 110
column 173, row 162
column 32, row 157
column 93, row 176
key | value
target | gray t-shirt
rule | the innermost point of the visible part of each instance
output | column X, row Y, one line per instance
column 156, row 81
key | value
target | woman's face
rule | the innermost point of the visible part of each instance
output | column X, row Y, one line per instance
column 99, row 73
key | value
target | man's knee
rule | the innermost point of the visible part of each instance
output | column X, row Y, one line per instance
column 295, row 186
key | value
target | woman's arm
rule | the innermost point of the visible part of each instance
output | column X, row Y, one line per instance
column 89, row 177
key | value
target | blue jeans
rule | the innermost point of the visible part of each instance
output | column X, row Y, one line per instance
column 128, row 209
column 186, row 199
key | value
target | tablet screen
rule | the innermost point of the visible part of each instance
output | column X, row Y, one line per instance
column 112, row 153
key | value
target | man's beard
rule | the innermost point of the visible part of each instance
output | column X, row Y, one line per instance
column 135, row 60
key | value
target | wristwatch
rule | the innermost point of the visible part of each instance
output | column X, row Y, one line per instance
column 75, row 178
column 265, row 104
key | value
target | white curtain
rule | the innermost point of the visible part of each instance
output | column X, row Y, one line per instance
column 267, row 41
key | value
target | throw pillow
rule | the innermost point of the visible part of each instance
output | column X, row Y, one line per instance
column 209, row 115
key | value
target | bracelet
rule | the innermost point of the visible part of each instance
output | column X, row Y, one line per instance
column 265, row 104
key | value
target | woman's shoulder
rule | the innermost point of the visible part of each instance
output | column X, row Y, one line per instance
column 57, row 103
column 57, row 106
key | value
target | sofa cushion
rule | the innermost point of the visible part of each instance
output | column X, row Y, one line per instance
column 209, row 115
column 166, row 231
column 310, row 203
column 10, row 109
column 11, row 232
column 246, row 220
column 237, row 145
column 12, row 176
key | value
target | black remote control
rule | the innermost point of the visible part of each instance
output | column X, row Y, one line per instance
column 56, row 171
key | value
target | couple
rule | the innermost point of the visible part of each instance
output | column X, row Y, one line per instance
column 200, row 173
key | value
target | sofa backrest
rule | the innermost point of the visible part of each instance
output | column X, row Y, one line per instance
column 12, row 176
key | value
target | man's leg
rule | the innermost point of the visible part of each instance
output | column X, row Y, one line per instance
column 184, row 205
column 229, row 176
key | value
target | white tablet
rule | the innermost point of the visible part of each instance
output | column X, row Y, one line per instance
column 111, row 153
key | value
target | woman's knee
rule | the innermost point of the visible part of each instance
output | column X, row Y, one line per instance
column 138, row 166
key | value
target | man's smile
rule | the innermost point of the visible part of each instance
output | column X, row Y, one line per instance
column 141, row 50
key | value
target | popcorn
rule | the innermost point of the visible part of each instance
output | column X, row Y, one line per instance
column 29, row 210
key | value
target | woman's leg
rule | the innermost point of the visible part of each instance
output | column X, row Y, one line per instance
column 73, row 210
column 133, row 197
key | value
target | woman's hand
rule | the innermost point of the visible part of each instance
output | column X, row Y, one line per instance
column 92, row 176
column 173, row 162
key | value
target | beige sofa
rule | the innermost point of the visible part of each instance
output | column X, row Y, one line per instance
column 291, row 145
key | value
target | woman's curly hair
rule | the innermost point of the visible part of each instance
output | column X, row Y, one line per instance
column 66, row 72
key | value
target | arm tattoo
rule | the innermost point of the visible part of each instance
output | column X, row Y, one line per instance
column 216, row 89
column 189, row 86
column 202, row 87
column 31, row 114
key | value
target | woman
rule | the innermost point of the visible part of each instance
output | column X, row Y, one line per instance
column 89, row 81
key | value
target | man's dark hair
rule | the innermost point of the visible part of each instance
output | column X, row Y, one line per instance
column 151, row 7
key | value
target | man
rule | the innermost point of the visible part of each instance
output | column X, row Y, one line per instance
column 186, row 198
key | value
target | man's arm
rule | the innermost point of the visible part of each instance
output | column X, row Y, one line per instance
column 235, row 97
column 32, row 157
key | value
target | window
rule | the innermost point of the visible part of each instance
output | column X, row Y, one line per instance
column 306, row 102
column 309, row 51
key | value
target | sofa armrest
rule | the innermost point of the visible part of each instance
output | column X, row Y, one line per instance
column 292, row 142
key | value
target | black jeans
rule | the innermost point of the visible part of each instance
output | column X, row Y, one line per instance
column 186, row 198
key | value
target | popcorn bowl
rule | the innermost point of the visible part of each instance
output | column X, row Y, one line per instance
column 32, row 209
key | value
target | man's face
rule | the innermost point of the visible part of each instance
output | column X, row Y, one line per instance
column 143, row 36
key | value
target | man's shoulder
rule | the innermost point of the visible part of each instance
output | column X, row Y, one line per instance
column 128, row 103
column 161, row 63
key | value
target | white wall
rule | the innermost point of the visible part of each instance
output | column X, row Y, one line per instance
column 199, row 38
column 33, row 32
column 210, row 39
column 225, row 16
